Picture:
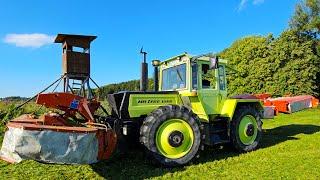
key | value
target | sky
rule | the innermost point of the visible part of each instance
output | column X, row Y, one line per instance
column 30, row 61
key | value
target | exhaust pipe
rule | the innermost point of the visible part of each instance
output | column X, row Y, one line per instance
column 144, row 72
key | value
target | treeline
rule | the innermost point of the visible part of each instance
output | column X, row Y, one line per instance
column 133, row 85
column 14, row 98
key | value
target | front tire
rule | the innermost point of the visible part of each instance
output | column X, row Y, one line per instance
column 171, row 135
column 246, row 129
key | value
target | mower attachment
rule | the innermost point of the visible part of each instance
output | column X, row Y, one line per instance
column 53, row 139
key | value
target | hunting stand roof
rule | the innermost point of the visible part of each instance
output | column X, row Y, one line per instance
column 75, row 40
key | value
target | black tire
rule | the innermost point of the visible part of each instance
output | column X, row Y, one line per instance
column 151, row 125
column 241, row 112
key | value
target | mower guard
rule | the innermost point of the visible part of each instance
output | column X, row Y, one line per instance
column 28, row 138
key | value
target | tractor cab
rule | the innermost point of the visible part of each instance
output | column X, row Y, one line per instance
column 200, row 80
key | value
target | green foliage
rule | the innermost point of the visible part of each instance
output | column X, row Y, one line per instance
column 210, row 76
column 280, row 66
column 8, row 110
column 245, row 55
column 297, row 66
column 306, row 18
column 12, row 113
column 287, row 65
column 306, row 24
column 132, row 85
column 289, row 150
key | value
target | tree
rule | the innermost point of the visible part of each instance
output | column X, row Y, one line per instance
column 296, row 66
column 306, row 18
column 281, row 66
column 249, row 57
column 306, row 23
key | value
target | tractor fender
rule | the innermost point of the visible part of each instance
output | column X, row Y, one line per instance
column 230, row 105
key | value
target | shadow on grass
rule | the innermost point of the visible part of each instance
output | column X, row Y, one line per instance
column 280, row 134
column 133, row 165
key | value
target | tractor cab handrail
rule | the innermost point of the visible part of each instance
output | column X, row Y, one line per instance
column 202, row 55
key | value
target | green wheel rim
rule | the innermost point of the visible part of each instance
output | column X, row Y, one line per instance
column 162, row 138
column 245, row 123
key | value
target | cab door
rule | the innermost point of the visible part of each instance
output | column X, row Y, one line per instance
column 208, row 88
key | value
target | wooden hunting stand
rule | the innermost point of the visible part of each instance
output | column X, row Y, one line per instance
column 75, row 62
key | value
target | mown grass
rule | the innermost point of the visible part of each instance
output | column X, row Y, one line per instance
column 290, row 149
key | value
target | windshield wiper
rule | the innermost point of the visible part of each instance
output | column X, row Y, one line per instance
column 179, row 75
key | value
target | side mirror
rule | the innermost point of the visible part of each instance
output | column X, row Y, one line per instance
column 214, row 63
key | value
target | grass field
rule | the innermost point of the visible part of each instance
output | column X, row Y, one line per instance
column 290, row 149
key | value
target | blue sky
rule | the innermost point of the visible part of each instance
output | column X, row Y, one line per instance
column 29, row 61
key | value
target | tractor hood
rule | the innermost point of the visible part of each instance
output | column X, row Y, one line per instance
column 131, row 104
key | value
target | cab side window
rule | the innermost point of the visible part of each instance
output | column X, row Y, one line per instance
column 222, row 78
column 208, row 77
column 194, row 76
column 205, row 81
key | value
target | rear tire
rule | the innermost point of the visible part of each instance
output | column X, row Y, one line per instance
column 171, row 135
column 246, row 129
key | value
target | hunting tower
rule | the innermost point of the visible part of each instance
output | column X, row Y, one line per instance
column 75, row 61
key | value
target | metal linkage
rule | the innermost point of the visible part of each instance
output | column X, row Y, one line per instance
column 30, row 99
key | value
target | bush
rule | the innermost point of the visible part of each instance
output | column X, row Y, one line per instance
column 287, row 65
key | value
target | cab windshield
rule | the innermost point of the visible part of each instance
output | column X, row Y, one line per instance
column 174, row 78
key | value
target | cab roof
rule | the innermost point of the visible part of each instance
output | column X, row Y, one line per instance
column 204, row 58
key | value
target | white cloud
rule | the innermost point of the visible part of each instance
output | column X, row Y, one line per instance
column 34, row 40
column 243, row 3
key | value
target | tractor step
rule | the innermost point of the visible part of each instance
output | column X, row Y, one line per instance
column 218, row 139
column 218, row 120
column 217, row 131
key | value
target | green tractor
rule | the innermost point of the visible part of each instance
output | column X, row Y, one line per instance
column 188, row 109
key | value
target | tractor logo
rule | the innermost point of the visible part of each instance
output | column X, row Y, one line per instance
column 154, row 101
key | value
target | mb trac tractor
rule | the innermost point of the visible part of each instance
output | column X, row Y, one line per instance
column 187, row 110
